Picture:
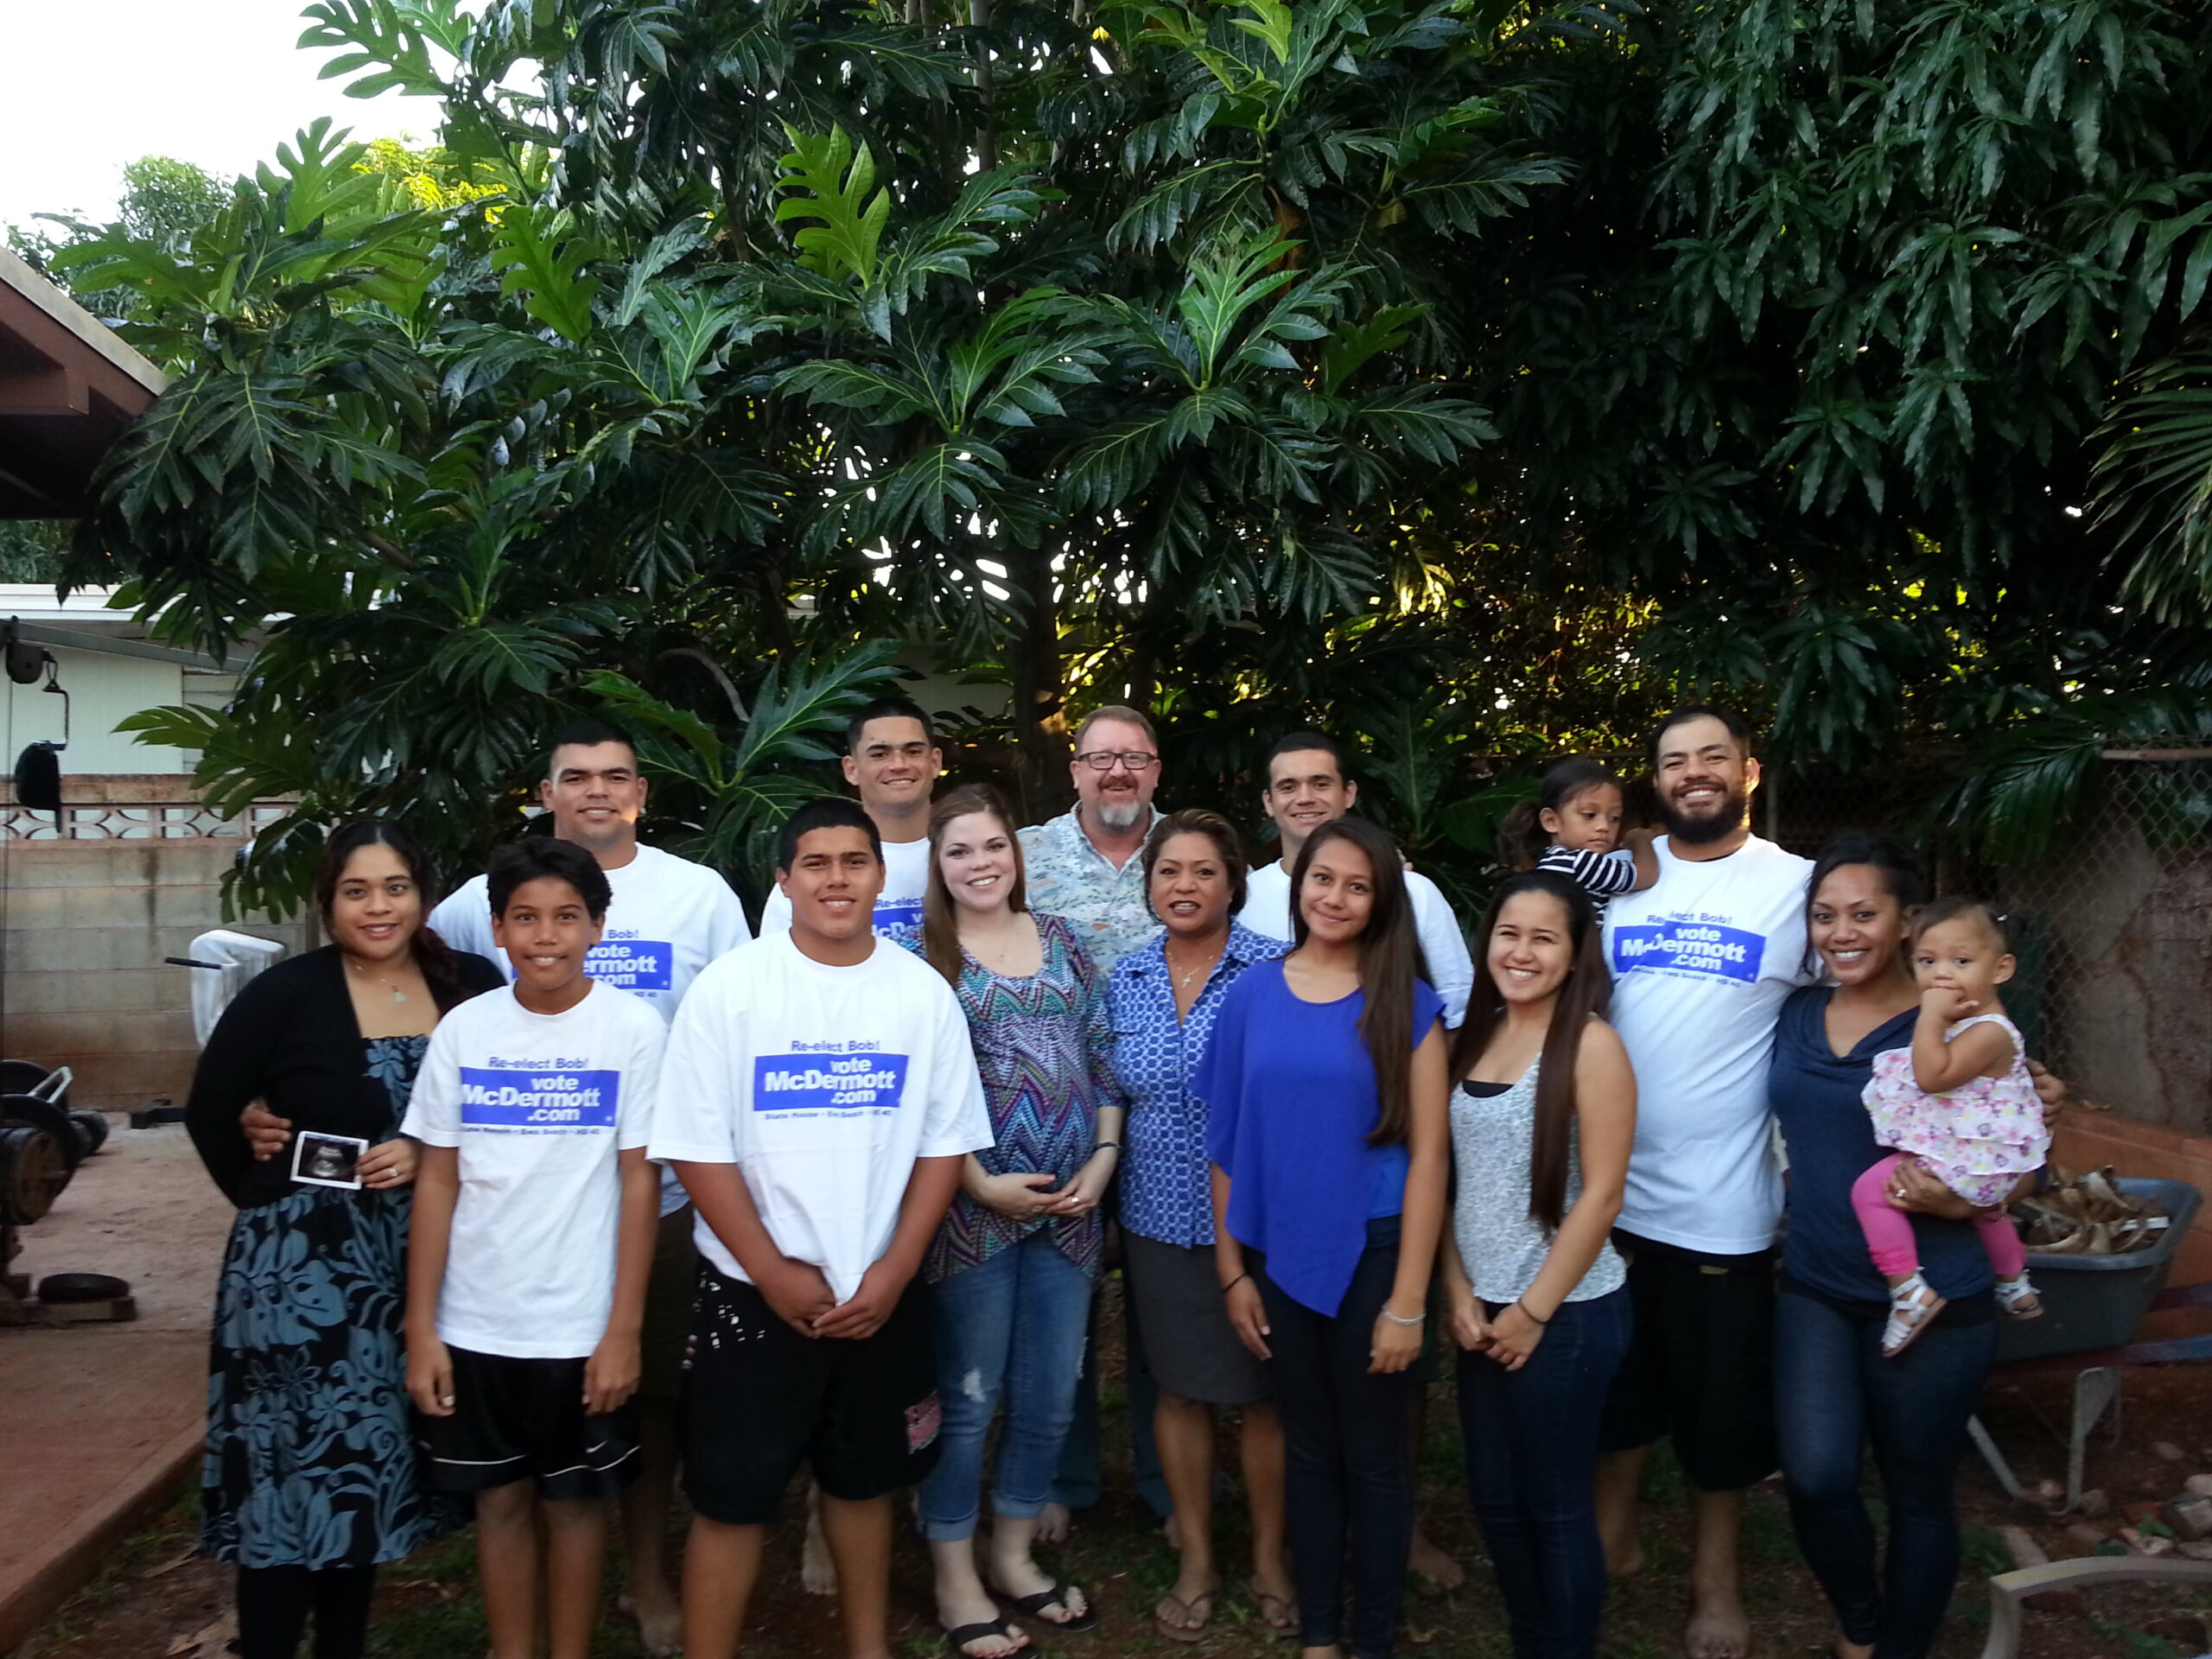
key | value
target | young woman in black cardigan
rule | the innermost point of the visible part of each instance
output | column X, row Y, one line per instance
column 310, row 1476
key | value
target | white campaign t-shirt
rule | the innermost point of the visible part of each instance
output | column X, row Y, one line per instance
column 538, row 1105
column 1702, row 961
column 906, row 879
column 823, row 1084
column 668, row 918
column 1452, row 971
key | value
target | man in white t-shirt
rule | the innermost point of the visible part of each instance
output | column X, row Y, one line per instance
column 1309, row 783
column 669, row 918
column 893, row 761
column 531, row 1243
column 819, row 1096
column 1702, row 961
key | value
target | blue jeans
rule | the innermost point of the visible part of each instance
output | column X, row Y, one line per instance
column 1835, row 1392
column 1015, row 1327
column 1532, row 1454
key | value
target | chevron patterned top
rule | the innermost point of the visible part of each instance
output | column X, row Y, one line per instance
column 1044, row 1045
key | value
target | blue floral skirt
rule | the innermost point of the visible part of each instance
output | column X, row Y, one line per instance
column 310, row 1458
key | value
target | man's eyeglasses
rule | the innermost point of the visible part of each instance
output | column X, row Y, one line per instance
column 1103, row 759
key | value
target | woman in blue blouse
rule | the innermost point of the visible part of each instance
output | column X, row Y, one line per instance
column 1165, row 997
column 1326, row 1082
column 1834, row 1391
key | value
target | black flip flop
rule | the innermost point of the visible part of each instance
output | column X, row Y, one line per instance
column 1034, row 1606
column 956, row 1638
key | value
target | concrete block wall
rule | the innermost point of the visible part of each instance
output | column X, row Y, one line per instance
column 84, row 926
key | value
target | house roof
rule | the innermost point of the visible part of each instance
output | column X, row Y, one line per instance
column 67, row 387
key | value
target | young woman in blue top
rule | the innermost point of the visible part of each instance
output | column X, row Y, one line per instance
column 1835, row 1392
column 1167, row 996
column 1326, row 1086
column 1541, row 1125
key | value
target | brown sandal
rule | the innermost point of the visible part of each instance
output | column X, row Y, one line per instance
column 1198, row 1607
column 1276, row 1614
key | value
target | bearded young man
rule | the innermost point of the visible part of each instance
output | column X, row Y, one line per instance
column 1702, row 961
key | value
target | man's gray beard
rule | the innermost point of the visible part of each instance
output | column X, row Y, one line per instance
column 1120, row 817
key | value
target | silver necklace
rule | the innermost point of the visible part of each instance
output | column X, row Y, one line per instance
column 397, row 995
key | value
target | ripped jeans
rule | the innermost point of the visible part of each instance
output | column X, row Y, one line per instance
column 1011, row 1329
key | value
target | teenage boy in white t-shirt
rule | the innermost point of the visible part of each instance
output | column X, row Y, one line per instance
column 819, row 1097
column 893, row 761
column 667, row 919
column 535, row 1211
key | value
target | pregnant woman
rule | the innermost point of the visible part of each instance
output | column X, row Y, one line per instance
column 310, row 1477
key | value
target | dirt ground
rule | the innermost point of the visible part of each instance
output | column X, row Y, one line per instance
column 159, row 1599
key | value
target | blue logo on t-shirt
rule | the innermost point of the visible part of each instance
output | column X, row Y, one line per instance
column 844, row 1082
column 897, row 912
column 632, row 964
column 1690, row 947
column 505, row 1099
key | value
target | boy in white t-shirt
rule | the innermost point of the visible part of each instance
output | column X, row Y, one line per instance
column 535, row 1212
column 819, row 1097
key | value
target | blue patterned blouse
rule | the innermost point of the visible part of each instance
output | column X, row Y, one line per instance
column 1166, row 1188
column 1041, row 1046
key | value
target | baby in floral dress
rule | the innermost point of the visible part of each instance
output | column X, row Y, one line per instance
column 1959, row 1103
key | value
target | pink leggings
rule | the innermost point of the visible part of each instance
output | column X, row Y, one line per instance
column 1889, row 1233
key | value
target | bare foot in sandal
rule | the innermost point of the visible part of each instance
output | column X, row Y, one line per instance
column 1181, row 1617
column 1275, row 1603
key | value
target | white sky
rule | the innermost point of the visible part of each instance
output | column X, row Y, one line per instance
column 86, row 85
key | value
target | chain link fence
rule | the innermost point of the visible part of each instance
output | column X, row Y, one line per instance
column 2113, row 925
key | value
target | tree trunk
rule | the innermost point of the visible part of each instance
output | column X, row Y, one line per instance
column 1040, row 739
column 987, row 137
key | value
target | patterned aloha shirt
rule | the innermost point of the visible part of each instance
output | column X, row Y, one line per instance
column 1042, row 1044
column 1167, row 1186
column 1069, row 877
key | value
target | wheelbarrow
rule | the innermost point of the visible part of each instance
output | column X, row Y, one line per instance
column 2092, row 1305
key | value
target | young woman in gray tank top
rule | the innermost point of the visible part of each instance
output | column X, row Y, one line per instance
column 1542, row 1119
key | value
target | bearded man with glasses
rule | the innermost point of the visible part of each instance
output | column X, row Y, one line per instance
column 1084, row 864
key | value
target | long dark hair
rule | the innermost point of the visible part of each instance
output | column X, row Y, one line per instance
column 1897, row 864
column 1389, row 962
column 432, row 954
column 1583, row 996
column 1522, row 837
column 940, row 922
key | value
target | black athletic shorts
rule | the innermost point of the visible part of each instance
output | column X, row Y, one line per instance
column 525, row 1420
column 759, row 1399
column 1700, row 1366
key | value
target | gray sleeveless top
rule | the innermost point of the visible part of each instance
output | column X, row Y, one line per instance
column 1501, row 1245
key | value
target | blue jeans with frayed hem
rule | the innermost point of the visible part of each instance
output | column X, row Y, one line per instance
column 1010, row 1329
